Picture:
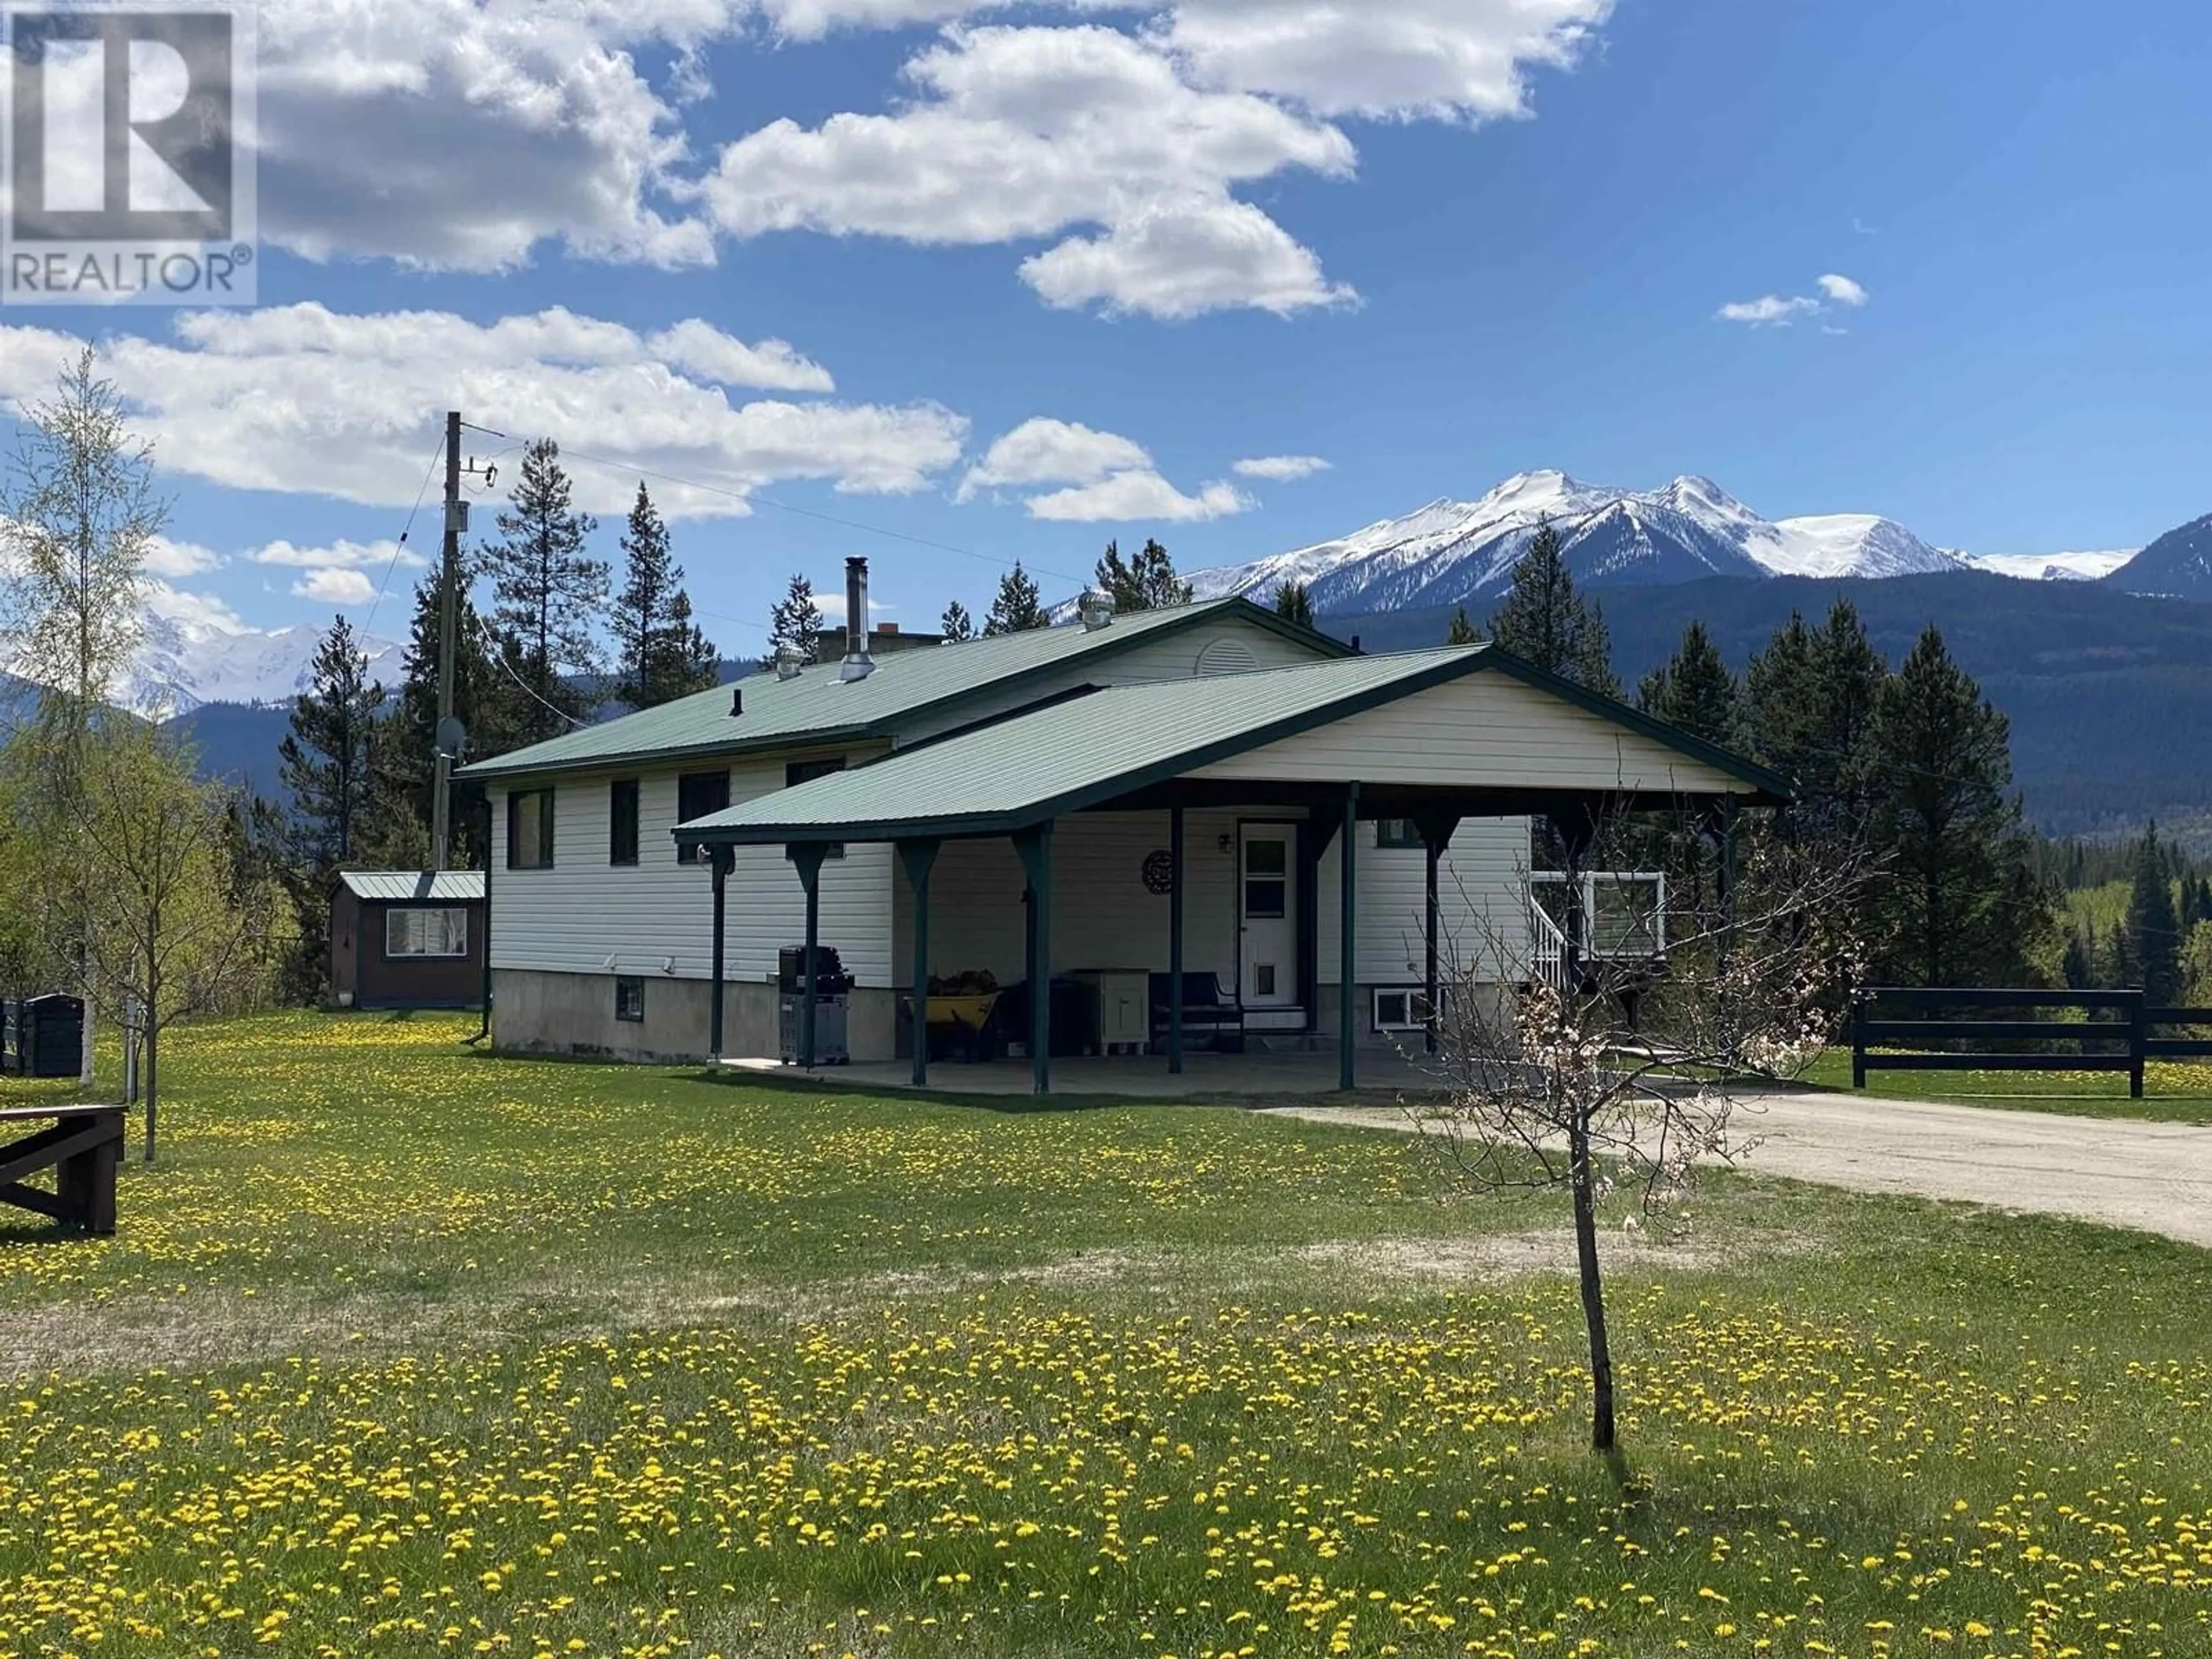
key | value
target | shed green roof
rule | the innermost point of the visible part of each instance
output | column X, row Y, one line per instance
column 417, row 886
column 1078, row 753
column 817, row 707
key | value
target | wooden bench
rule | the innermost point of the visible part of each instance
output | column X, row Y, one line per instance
column 83, row 1146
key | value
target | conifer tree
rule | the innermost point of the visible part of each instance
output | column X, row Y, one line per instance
column 1294, row 603
column 1463, row 630
column 548, row 593
column 661, row 654
column 1018, row 608
column 2078, row 968
column 795, row 620
column 958, row 627
column 1146, row 582
column 2152, row 923
column 1808, row 702
column 395, row 833
column 323, row 759
column 1695, row 692
column 1547, row 624
column 1964, row 905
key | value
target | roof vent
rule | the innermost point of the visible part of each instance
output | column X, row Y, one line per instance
column 1096, row 609
column 737, row 701
column 788, row 662
column 1225, row 657
column 859, row 665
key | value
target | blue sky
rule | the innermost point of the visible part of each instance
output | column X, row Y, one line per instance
column 1430, row 242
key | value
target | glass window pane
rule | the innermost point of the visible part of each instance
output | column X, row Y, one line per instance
column 1266, row 858
column 1266, row 900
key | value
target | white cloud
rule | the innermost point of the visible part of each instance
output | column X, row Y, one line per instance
column 338, row 555
column 336, row 586
column 194, row 613
column 1775, row 310
column 1281, row 469
column 1020, row 133
column 302, row 400
column 1843, row 291
column 462, row 134
column 1139, row 496
column 167, row 557
column 1462, row 60
column 1767, row 309
column 1045, row 451
column 772, row 365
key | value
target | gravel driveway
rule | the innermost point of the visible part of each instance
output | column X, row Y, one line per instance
column 2156, row 1177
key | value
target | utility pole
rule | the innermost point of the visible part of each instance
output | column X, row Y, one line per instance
column 449, row 607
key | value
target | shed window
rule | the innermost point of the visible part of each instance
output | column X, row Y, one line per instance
column 530, row 829
column 698, row 794
column 439, row 932
column 629, row 1001
column 621, row 821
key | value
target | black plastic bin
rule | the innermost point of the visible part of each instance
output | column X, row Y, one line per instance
column 45, row 1035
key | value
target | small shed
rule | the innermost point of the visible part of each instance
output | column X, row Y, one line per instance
column 407, row 939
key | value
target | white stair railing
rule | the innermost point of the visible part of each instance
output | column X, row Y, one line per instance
column 1548, row 948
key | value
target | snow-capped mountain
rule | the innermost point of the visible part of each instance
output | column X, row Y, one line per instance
column 2051, row 567
column 193, row 653
column 1459, row 552
column 2177, row 565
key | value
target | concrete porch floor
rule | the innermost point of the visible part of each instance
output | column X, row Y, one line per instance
column 1255, row 1077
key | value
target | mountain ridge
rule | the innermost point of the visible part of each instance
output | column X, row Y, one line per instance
column 1451, row 552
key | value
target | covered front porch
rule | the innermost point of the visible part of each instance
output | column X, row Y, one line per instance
column 1250, row 1079
column 1321, row 758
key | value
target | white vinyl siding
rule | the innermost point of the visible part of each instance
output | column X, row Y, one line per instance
column 1175, row 657
column 1486, row 731
column 584, row 917
column 1479, row 889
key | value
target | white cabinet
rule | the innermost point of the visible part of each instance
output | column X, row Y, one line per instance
column 1125, row 1018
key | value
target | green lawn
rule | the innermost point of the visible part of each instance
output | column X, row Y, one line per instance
column 2172, row 1093
column 406, row 1351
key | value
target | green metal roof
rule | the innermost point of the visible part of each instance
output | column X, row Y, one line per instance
column 1093, row 748
column 818, row 707
column 415, row 886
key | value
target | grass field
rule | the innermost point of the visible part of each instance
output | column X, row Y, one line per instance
column 405, row 1351
column 2172, row 1093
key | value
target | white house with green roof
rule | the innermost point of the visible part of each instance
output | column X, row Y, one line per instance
column 1138, row 801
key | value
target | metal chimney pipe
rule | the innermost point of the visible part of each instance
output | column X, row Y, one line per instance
column 859, row 665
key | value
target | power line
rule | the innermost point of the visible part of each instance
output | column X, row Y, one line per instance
column 492, row 651
column 809, row 513
column 400, row 546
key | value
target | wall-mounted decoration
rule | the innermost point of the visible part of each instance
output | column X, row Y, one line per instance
column 1160, row 873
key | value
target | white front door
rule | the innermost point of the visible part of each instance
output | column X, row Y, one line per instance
column 1268, row 913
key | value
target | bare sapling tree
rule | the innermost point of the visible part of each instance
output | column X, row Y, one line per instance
column 1623, row 1063
column 174, row 930
column 79, row 514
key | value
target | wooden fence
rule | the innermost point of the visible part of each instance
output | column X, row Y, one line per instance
column 2126, row 1040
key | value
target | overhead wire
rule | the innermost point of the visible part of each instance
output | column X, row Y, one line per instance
column 400, row 546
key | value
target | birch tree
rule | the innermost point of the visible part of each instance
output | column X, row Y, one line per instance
column 79, row 514
column 1627, row 1071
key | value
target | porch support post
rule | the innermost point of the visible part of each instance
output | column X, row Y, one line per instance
column 1034, row 846
column 920, row 857
column 722, row 859
column 808, row 856
column 1728, row 877
column 1175, row 838
column 1348, row 941
column 1436, row 831
column 1578, row 833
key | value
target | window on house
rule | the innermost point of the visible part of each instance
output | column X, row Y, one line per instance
column 806, row 771
column 621, row 821
column 1398, row 834
column 1400, row 1009
column 698, row 794
column 629, row 1001
column 438, row 932
column 530, row 829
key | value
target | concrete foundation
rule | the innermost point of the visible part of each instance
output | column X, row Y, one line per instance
column 541, row 1013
